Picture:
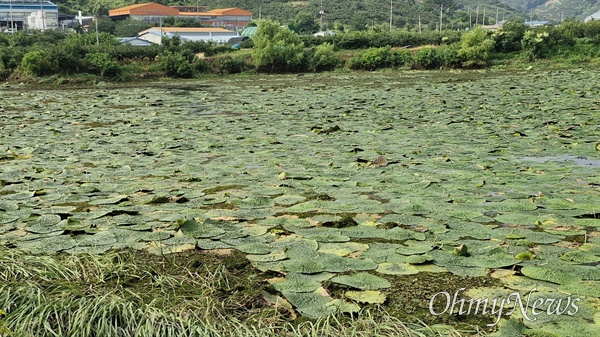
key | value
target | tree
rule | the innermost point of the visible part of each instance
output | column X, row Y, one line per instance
column 106, row 25
column 276, row 48
column 359, row 21
column 475, row 47
column 304, row 23
column 508, row 37
column 128, row 28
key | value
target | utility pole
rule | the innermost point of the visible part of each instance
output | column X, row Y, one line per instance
column 441, row 15
column 259, row 10
column 321, row 17
column 419, row 23
column 470, row 20
column 483, row 22
column 97, row 37
column 12, row 23
column 497, row 12
column 43, row 15
column 391, row 13
column 477, row 15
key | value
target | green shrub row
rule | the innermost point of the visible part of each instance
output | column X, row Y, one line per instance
column 372, row 39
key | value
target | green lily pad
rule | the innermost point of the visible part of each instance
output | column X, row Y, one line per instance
column 363, row 281
column 366, row 296
column 550, row 275
column 200, row 230
column 414, row 247
column 311, row 305
column 394, row 268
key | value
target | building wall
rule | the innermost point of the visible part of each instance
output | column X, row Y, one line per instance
column 19, row 10
column 41, row 21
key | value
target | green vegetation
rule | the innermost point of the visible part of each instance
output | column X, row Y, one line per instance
column 137, row 294
column 276, row 49
column 343, row 197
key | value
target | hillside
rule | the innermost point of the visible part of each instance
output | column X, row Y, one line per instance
column 351, row 13
column 555, row 9
column 364, row 13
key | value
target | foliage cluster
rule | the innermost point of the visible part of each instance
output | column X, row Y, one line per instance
column 278, row 49
column 375, row 39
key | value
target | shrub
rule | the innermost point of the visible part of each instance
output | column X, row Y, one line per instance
column 324, row 58
column 475, row 47
column 276, row 48
column 426, row 58
column 375, row 58
column 102, row 64
column 402, row 57
column 508, row 37
column 535, row 44
column 230, row 64
column 201, row 66
column 448, row 56
column 175, row 64
column 36, row 63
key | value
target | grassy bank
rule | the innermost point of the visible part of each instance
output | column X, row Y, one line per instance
column 131, row 293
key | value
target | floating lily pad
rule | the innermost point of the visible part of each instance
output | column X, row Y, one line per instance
column 200, row 230
column 550, row 275
column 366, row 296
column 363, row 281
column 394, row 268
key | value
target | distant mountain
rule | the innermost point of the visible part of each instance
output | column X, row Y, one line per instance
column 555, row 10
column 356, row 14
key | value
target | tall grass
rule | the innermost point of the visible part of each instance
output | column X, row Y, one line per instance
column 123, row 294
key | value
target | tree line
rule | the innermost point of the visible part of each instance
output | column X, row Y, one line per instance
column 278, row 49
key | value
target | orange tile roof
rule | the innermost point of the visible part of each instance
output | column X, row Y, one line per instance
column 188, row 30
column 219, row 12
column 150, row 8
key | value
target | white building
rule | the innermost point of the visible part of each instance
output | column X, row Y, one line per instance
column 595, row 16
column 15, row 13
column 219, row 35
column 40, row 20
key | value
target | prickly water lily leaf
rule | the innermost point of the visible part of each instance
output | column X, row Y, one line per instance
column 47, row 223
column 414, row 247
column 550, row 275
column 291, row 241
column 327, row 237
column 337, row 264
column 200, row 230
column 107, row 238
column 342, row 248
column 254, row 248
column 580, row 256
column 394, row 268
column 107, row 201
column 267, row 257
column 363, row 281
column 312, row 304
column 302, row 208
column 160, row 249
column 341, row 306
column 47, row 245
column 74, row 225
column 260, row 202
column 305, row 266
column 366, row 296
column 288, row 200
column 212, row 244
column 301, row 283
